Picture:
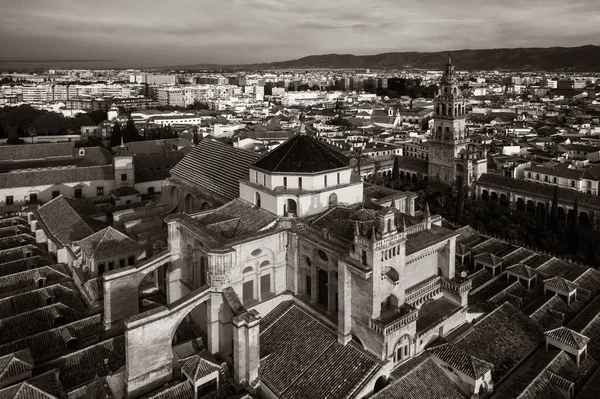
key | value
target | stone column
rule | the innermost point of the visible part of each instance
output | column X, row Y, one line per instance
column 212, row 321
column 345, row 304
column 120, row 296
column 293, row 257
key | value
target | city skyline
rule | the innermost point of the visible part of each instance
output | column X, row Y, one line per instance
column 137, row 34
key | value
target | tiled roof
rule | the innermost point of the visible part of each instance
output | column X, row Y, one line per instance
column 107, row 242
column 423, row 239
column 301, row 357
column 36, row 151
column 198, row 366
column 540, row 190
column 15, row 364
column 503, row 337
column 413, row 164
column 236, row 219
column 43, row 386
column 425, row 381
column 561, row 283
column 97, row 389
column 100, row 359
column 65, row 293
column 50, row 344
column 178, row 390
column 302, row 154
column 124, row 191
column 568, row 337
column 215, row 167
column 27, row 281
column 522, row 270
column 69, row 219
column 461, row 360
column 122, row 151
column 489, row 259
column 566, row 173
column 52, row 176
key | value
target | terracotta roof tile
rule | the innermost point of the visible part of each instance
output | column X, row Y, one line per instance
column 561, row 283
column 568, row 337
column 461, row 360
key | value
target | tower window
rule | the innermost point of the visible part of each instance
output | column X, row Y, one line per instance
column 99, row 190
column 300, row 183
column 338, row 178
column 123, row 176
column 325, row 180
column 284, row 182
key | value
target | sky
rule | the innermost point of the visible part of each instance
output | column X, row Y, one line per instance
column 142, row 33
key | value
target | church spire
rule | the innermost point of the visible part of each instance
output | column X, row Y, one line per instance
column 449, row 59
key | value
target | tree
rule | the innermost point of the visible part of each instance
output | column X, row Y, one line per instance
column 14, row 136
column 358, row 156
column 554, row 209
column 117, row 135
column 130, row 133
column 396, row 169
column 574, row 231
column 460, row 203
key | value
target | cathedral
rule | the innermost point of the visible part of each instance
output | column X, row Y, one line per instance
column 451, row 156
column 309, row 267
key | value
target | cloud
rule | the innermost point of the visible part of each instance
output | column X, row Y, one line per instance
column 244, row 31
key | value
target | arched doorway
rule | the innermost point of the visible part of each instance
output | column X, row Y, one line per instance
column 414, row 177
column 485, row 196
column 291, row 208
column 530, row 206
column 205, row 206
column 101, row 269
column 541, row 208
column 520, row 204
column 402, row 175
column 380, row 383
column 494, row 196
column 584, row 219
column 333, row 199
column 503, row 200
column 390, row 303
column 561, row 214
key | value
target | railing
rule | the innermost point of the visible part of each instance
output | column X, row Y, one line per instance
column 389, row 328
column 416, row 291
column 459, row 287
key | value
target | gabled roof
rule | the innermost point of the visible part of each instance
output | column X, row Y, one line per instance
column 489, row 258
column 198, row 366
column 561, row 283
column 461, row 360
column 522, row 270
column 107, row 242
column 302, row 154
column 15, row 364
column 69, row 219
column 44, row 386
column 568, row 337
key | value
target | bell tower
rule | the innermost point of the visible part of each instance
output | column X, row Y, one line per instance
column 449, row 135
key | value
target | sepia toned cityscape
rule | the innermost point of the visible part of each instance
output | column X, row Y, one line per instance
column 299, row 200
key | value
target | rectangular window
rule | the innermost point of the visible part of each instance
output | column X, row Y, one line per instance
column 33, row 198
column 10, row 200
column 264, row 179
column 338, row 178
column 308, row 286
column 99, row 190
column 300, row 183
column 55, row 194
column 325, row 180
column 572, row 183
column 123, row 176
column 248, row 290
column 256, row 177
column 285, row 182
column 265, row 285
column 78, row 193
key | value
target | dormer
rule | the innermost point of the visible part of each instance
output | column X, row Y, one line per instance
column 572, row 342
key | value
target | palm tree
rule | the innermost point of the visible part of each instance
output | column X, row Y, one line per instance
column 358, row 156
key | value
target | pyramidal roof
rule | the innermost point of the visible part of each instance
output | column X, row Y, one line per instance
column 302, row 154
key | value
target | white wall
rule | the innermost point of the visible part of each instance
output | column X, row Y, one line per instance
column 44, row 192
column 309, row 181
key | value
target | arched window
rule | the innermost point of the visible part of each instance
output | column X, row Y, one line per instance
column 265, row 264
column 249, row 269
column 131, row 260
column 257, row 200
column 256, row 252
column 333, row 199
column 389, row 225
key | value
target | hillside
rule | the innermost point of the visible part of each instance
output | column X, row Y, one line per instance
column 584, row 58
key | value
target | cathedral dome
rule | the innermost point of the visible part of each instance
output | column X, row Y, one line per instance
column 302, row 154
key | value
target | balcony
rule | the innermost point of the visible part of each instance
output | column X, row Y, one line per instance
column 458, row 285
column 394, row 319
column 423, row 291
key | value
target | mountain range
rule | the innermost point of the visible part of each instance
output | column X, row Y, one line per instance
column 583, row 58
